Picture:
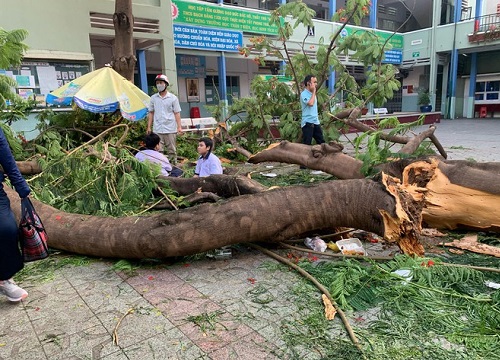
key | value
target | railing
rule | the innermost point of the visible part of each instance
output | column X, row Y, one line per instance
column 487, row 23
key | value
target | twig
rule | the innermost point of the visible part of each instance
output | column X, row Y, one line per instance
column 325, row 291
column 91, row 141
column 102, row 135
column 479, row 268
column 115, row 331
column 167, row 198
column 149, row 208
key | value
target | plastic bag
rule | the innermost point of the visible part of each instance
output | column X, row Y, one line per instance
column 316, row 244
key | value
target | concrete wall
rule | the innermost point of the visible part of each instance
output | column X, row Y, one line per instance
column 63, row 28
column 410, row 97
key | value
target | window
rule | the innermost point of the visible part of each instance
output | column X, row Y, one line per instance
column 487, row 92
column 493, row 86
column 212, row 89
column 236, row 2
column 269, row 4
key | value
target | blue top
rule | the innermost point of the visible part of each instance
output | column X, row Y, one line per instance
column 208, row 165
column 309, row 113
column 10, row 168
column 155, row 157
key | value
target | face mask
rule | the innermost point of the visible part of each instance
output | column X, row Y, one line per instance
column 160, row 87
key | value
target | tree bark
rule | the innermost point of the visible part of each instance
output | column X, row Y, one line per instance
column 28, row 167
column 381, row 207
column 325, row 157
column 124, row 59
column 329, row 157
column 223, row 185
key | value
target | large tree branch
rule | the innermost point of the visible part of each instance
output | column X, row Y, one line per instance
column 223, row 185
column 325, row 157
column 274, row 215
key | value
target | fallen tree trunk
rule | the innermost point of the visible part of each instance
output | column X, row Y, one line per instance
column 456, row 194
column 276, row 215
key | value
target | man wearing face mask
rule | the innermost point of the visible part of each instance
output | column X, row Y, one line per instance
column 164, row 117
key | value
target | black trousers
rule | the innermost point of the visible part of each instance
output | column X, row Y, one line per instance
column 312, row 131
column 11, row 260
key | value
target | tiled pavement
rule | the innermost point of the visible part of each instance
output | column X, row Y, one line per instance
column 73, row 314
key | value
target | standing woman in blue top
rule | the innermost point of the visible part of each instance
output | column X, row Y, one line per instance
column 310, row 125
column 11, row 260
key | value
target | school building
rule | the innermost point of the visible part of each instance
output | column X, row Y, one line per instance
column 450, row 47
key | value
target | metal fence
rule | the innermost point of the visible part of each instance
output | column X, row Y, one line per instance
column 487, row 23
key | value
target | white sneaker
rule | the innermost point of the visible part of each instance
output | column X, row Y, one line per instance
column 12, row 291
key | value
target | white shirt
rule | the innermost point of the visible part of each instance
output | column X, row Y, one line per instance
column 155, row 157
column 164, row 109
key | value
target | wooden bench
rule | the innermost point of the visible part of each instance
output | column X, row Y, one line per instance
column 198, row 124
column 380, row 111
column 186, row 124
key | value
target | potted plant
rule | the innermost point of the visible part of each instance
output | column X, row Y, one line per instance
column 424, row 100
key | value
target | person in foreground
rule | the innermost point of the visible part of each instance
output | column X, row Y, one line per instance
column 152, row 154
column 11, row 260
column 208, row 163
column 164, row 117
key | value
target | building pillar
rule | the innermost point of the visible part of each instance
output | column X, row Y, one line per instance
column 141, row 66
column 282, row 63
column 453, row 83
column 469, row 105
column 478, row 9
column 436, row 11
column 332, row 9
column 373, row 14
column 221, row 62
column 454, row 64
column 373, row 25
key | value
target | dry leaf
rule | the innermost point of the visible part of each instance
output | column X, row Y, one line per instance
column 431, row 232
column 456, row 251
column 470, row 243
column 329, row 309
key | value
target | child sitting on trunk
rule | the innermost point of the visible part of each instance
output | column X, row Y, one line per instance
column 153, row 155
column 208, row 163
